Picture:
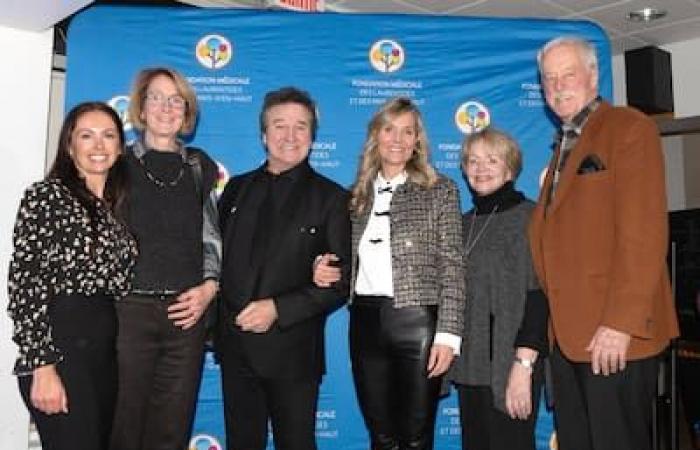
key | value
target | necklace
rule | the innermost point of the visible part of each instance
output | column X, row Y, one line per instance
column 157, row 181
column 471, row 243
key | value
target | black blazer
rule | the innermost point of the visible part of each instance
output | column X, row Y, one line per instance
column 314, row 220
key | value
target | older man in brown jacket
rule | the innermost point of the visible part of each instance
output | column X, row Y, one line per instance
column 599, row 237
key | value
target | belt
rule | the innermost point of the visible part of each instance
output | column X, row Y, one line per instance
column 160, row 294
column 375, row 301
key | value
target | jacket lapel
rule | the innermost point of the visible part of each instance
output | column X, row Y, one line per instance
column 568, row 175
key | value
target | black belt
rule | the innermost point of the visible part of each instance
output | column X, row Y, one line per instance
column 160, row 294
column 375, row 301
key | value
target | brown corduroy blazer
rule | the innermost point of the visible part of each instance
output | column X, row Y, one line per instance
column 599, row 247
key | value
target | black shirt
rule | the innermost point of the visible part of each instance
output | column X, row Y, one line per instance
column 165, row 217
column 58, row 251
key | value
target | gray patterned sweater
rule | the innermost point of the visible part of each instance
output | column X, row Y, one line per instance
column 426, row 250
column 499, row 274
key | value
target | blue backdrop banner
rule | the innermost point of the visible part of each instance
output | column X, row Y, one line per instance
column 464, row 73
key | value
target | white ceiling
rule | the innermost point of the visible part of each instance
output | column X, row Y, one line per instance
column 37, row 15
column 681, row 23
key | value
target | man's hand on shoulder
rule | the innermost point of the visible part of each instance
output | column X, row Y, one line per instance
column 608, row 350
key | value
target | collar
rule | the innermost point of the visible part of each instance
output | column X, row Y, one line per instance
column 504, row 198
column 577, row 123
column 293, row 174
column 139, row 148
column 382, row 184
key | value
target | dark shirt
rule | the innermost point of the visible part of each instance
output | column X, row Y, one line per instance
column 270, row 192
column 165, row 217
column 59, row 250
column 565, row 140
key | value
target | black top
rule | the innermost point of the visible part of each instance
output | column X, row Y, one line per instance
column 165, row 217
column 59, row 251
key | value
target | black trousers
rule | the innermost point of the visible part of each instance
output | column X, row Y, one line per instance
column 389, row 348
column 84, row 329
column 160, row 367
column 595, row 412
column 250, row 401
column 485, row 427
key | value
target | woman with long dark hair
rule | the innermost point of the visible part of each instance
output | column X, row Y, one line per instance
column 72, row 257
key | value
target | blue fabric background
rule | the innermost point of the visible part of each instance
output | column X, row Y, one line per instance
column 443, row 63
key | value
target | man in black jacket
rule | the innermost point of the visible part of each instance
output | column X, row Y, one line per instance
column 275, row 220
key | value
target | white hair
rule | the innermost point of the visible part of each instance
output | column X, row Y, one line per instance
column 586, row 50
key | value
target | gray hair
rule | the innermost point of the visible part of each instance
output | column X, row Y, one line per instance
column 586, row 50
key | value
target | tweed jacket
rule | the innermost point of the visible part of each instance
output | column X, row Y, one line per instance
column 426, row 250
column 599, row 247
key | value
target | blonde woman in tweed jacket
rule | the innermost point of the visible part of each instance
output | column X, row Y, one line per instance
column 406, row 312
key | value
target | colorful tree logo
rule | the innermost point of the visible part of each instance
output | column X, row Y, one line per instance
column 214, row 51
column 204, row 442
column 386, row 56
column 120, row 104
column 222, row 177
column 472, row 117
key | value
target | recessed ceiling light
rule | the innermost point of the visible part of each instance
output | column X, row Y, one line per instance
column 646, row 14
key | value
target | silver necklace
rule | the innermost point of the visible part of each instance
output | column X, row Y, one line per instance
column 471, row 243
column 157, row 181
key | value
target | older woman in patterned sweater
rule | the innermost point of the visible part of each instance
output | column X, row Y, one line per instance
column 499, row 371
column 72, row 257
column 406, row 311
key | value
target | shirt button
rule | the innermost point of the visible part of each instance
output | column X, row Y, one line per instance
column 409, row 244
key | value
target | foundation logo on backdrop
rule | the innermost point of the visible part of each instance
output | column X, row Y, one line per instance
column 222, row 177
column 120, row 104
column 204, row 442
column 472, row 117
column 214, row 51
column 386, row 55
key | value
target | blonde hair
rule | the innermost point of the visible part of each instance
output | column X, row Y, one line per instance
column 140, row 89
column 500, row 143
column 418, row 168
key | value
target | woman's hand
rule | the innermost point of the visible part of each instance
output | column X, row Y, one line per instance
column 325, row 274
column 519, row 387
column 439, row 360
column 189, row 306
column 47, row 393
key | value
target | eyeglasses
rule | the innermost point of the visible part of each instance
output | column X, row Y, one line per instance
column 174, row 101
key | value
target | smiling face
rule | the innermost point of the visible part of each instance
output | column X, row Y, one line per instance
column 94, row 146
column 163, row 110
column 396, row 143
column 569, row 84
column 486, row 168
column 287, row 136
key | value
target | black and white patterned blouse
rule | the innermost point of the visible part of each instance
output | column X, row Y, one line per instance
column 58, row 251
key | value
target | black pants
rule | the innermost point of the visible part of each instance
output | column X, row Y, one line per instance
column 250, row 401
column 389, row 348
column 84, row 329
column 160, row 367
column 595, row 412
column 485, row 427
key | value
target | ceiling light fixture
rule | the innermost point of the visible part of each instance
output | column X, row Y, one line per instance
column 646, row 15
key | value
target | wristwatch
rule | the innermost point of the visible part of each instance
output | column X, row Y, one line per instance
column 526, row 363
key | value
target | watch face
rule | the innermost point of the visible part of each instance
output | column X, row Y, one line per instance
column 527, row 363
